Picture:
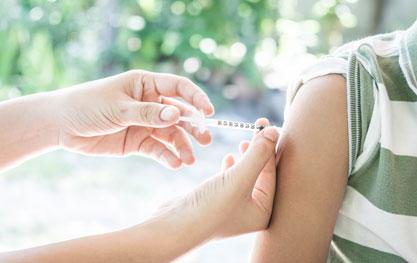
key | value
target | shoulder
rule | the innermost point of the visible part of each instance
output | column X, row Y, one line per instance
column 323, row 69
column 319, row 109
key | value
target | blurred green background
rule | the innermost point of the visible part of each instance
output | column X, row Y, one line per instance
column 234, row 49
column 243, row 53
column 225, row 46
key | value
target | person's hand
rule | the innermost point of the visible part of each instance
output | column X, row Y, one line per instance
column 256, row 177
column 239, row 199
column 133, row 112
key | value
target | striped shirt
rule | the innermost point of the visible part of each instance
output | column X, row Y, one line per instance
column 378, row 218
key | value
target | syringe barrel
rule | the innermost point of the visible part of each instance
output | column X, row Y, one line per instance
column 202, row 123
column 232, row 124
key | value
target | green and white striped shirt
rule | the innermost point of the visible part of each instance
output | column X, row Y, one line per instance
column 378, row 218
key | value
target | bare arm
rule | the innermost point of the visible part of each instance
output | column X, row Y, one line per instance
column 312, row 175
column 160, row 239
column 227, row 204
column 25, row 129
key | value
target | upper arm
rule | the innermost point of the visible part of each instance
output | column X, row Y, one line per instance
column 311, row 175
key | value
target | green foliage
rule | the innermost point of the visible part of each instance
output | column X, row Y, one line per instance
column 46, row 44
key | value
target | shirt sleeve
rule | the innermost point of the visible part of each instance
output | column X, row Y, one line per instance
column 325, row 66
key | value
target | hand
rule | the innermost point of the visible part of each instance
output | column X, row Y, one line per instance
column 254, row 214
column 131, row 113
column 237, row 200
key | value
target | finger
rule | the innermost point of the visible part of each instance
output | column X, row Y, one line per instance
column 243, row 146
column 178, row 138
column 228, row 161
column 204, row 138
column 169, row 85
column 261, row 122
column 266, row 180
column 261, row 149
column 264, row 190
column 156, row 150
column 149, row 114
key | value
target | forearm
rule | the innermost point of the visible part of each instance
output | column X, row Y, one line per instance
column 225, row 205
column 160, row 239
column 165, row 238
column 27, row 128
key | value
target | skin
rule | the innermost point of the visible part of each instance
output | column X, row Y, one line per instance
column 118, row 116
column 122, row 115
column 312, row 175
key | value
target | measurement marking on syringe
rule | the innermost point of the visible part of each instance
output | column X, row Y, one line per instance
column 202, row 123
column 236, row 124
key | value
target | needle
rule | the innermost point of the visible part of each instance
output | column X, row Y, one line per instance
column 198, row 120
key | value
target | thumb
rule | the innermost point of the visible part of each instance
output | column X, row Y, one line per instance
column 151, row 114
column 260, row 151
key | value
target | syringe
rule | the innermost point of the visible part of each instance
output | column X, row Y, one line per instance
column 202, row 123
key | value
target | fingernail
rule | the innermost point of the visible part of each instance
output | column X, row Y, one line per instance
column 270, row 133
column 262, row 122
column 187, row 157
column 168, row 114
column 209, row 110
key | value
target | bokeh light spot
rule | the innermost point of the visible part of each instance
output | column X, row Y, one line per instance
column 192, row 65
column 135, row 23
column 178, row 8
column 36, row 13
column 207, row 45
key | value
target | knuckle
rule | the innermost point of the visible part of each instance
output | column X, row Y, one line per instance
column 147, row 113
column 146, row 79
column 184, row 80
column 134, row 80
column 135, row 72
column 133, row 75
column 147, row 76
